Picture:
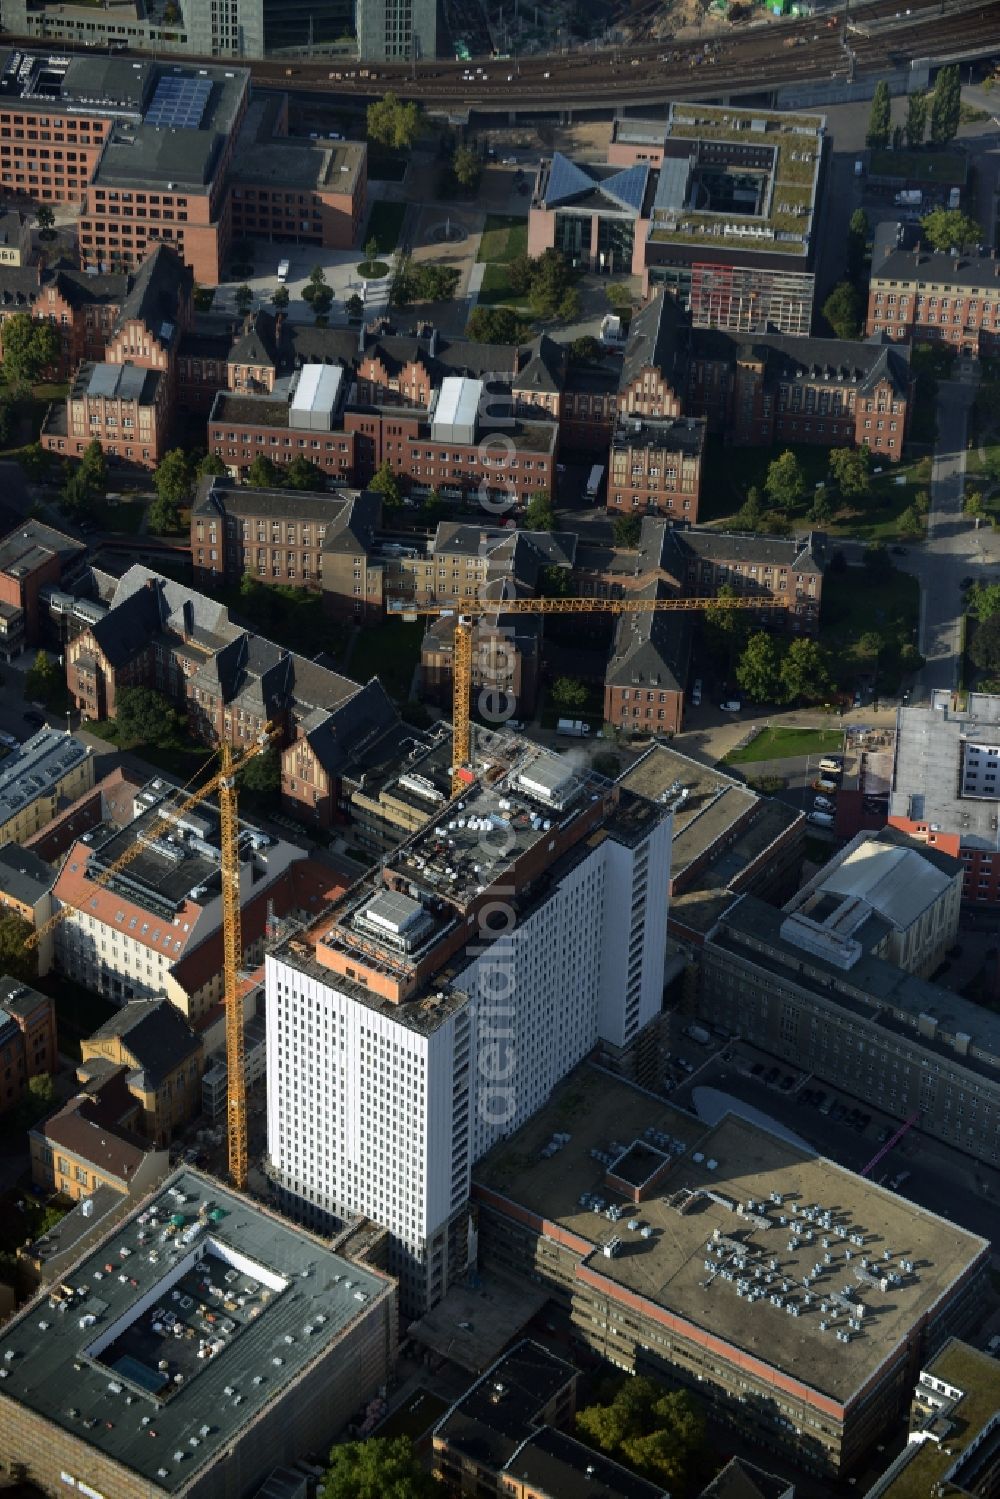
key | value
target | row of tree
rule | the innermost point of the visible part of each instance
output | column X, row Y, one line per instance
column 943, row 108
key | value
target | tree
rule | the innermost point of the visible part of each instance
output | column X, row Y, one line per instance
column 554, row 583
column 842, row 310
column 465, row 165
column 6, row 422
column 211, row 464
column 16, row 959
column 94, row 467
column 568, row 694
column 377, row 1468
column 551, row 278
column 916, row 120
column 570, row 306
column 659, row 1432
column 280, row 298
column 911, row 522
column 950, row 229
column 371, row 249
column 821, row 510
column 43, row 683
column 725, row 629
column 519, row 273
column 386, row 483
column 163, row 517
column 585, row 350
column 263, row 474
column 355, row 306
column 301, row 474
column 946, row 106
column 173, row 478
column 391, row 122
column 77, row 496
column 45, row 219
column 758, row 670
column 39, row 1100
column 30, row 350
column 626, row 530
column 898, row 136
column 983, row 599
column 973, row 503
column 243, row 298
column 984, row 647
column 495, row 325
column 870, row 645
column 803, row 671
column 851, row 471
column 785, row 483
column 263, row 774
column 879, row 117
column 750, row 516
column 433, row 506
column 857, row 245
column 317, row 291
column 143, row 716
column 538, row 514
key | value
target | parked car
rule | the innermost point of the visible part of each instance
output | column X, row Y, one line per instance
column 731, row 705
column 824, row 804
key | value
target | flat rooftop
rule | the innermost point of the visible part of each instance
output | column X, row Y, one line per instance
column 257, row 1301
column 716, row 1264
column 921, row 1467
column 321, row 166
column 878, row 992
column 927, row 781
column 38, row 766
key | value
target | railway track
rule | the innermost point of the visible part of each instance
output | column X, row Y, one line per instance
column 882, row 33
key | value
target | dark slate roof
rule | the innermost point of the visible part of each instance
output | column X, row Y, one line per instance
column 23, row 875
column 19, row 287
column 364, row 727
column 156, row 1035
column 224, row 496
column 803, row 554
column 938, row 266
column 128, row 627
column 493, row 1418
column 651, row 649
column 742, row 1480
column 833, row 361
column 355, row 530
column 257, row 342
column 559, row 1467
column 658, row 338
column 18, row 998
column 156, row 293
column 82, row 290
column 544, row 368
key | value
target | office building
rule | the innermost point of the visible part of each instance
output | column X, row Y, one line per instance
column 933, row 295
column 507, row 1435
column 914, row 892
column 161, row 1060
column 196, row 1399
column 717, row 206
column 391, row 31
column 49, row 768
column 27, row 1039
column 537, row 898
column 954, row 1418
column 791, row 1294
column 945, row 785
column 811, row 991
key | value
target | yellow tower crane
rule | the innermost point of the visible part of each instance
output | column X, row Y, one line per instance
column 223, row 783
column 467, row 610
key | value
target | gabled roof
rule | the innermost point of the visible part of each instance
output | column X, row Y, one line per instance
column 742, row 1480
column 801, row 554
column 156, row 1036
column 156, row 294
column 657, row 339
column 651, row 649
column 363, row 725
column 545, row 367
column 23, row 875
column 257, row 344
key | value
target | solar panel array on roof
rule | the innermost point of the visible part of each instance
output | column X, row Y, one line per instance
column 131, row 382
column 179, row 102
column 627, row 188
column 566, row 180
column 123, row 382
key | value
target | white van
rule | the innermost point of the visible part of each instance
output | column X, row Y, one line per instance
column 283, row 268
column 820, row 819
column 832, row 764
column 825, row 784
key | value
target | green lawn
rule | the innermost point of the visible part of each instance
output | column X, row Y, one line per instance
column 786, row 743
column 496, row 289
column 728, row 472
column 384, row 224
column 182, row 760
column 503, row 238
column 124, row 515
column 389, row 651
column 919, row 166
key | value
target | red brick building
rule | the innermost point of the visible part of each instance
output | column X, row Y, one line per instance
column 946, row 298
column 32, row 555
column 27, row 1039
